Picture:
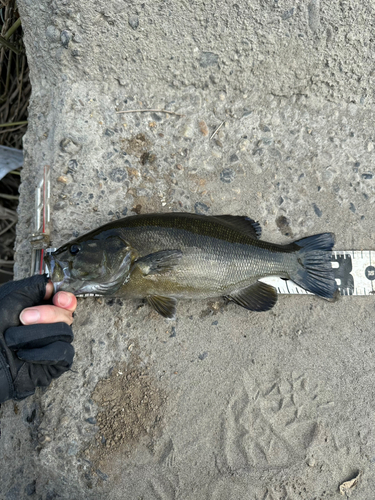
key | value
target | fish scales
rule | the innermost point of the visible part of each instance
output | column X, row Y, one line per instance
column 215, row 264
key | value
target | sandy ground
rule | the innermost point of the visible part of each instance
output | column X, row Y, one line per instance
column 220, row 403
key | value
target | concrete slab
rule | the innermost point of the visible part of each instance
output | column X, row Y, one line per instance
column 277, row 405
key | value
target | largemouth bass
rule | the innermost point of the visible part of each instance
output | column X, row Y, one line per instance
column 166, row 257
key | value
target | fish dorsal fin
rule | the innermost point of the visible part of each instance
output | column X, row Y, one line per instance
column 166, row 306
column 159, row 262
column 244, row 224
column 256, row 297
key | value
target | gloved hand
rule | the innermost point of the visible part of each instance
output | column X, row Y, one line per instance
column 31, row 355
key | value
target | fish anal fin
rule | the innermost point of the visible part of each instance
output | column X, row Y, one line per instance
column 159, row 262
column 243, row 224
column 256, row 297
column 166, row 306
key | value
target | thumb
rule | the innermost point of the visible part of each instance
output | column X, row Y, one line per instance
column 16, row 295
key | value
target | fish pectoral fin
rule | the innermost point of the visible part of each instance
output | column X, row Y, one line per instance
column 159, row 262
column 256, row 297
column 243, row 224
column 166, row 306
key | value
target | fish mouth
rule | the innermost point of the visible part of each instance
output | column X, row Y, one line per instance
column 58, row 272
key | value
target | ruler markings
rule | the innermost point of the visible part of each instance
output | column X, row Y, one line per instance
column 372, row 283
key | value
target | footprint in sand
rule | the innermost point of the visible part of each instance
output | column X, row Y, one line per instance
column 270, row 425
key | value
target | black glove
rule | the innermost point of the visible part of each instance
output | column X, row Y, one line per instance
column 30, row 355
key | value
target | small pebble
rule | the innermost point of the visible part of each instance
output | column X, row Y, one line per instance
column 65, row 37
column 60, row 205
column 30, row 489
column 283, row 224
column 77, row 38
column 44, row 439
column 133, row 22
column 118, row 174
column 317, row 210
column 227, row 175
column 69, row 146
column 203, row 128
column 208, row 59
column 244, row 145
column 102, row 475
column 201, row 208
column 52, row 33
column 267, row 141
column 287, row 14
column 188, row 131
column 137, row 209
column 73, row 164
column 156, row 118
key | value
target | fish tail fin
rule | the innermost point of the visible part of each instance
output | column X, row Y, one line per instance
column 313, row 270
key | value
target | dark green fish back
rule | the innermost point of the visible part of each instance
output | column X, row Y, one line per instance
column 232, row 229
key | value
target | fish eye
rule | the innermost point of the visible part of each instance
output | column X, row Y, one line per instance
column 74, row 249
